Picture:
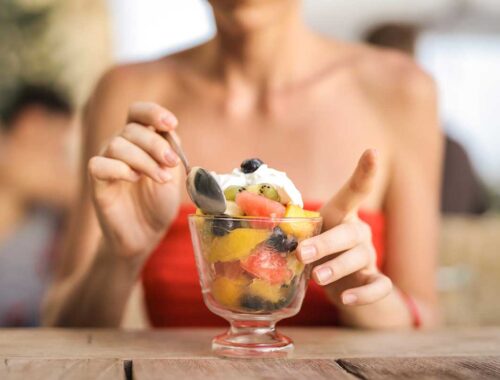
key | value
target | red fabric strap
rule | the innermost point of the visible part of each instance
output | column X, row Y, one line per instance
column 413, row 309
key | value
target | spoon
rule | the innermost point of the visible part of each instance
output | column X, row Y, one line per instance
column 201, row 186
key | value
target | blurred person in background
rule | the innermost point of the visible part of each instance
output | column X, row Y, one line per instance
column 37, row 182
column 265, row 86
column 461, row 190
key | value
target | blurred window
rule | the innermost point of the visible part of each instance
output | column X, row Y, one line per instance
column 467, row 69
column 149, row 28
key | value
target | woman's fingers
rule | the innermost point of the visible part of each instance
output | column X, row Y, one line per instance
column 343, row 265
column 349, row 197
column 108, row 169
column 121, row 149
column 152, row 143
column 151, row 114
column 340, row 238
column 377, row 287
column 139, row 149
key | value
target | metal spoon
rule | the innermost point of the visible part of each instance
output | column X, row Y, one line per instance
column 201, row 186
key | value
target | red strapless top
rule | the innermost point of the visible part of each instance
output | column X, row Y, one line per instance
column 173, row 294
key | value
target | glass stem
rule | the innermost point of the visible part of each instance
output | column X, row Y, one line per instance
column 252, row 327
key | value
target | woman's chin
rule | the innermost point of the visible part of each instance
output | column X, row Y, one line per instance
column 240, row 16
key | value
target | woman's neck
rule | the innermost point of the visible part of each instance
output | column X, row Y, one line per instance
column 263, row 57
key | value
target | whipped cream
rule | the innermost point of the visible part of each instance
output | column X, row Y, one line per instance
column 287, row 191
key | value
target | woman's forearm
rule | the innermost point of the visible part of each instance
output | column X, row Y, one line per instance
column 390, row 312
column 95, row 298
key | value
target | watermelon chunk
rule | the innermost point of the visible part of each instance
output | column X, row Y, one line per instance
column 260, row 206
column 267, row 264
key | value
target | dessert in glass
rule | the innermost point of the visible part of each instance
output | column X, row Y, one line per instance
column 246, row 259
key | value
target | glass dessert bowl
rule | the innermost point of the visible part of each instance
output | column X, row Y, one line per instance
column 246, row 258
column 250, row 276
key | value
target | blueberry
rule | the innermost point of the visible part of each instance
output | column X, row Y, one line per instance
column 251, row 165
column 280, row 304
column 254, row 303
column 278, row 240
column 223, row 224
column 292, row 244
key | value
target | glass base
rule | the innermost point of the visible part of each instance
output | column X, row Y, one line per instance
column 252, row 339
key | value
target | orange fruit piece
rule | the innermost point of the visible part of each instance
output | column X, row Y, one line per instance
column 265, row 290
column 227, row 291
column 299, row 229
column 237, row 244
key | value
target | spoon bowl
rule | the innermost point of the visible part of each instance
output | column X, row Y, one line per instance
column 205, row 192
column 201, row 186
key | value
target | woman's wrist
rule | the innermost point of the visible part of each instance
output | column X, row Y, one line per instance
column 115, row 259
column 388, row 312
column 97, row 295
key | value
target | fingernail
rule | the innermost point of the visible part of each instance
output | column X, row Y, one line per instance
column 169, row 120
column 171, row 158
column 164, row 176
column 307, row 253
column 349, row 299
column 323, row 274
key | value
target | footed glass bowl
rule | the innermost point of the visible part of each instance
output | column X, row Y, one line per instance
column 250, row 276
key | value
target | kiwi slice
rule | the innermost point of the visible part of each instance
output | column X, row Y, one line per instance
column 231, row 191
column 266, row 190
column 253, row 189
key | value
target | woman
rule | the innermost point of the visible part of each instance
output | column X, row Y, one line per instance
column 264, row 86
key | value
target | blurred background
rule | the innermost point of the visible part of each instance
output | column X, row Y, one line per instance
column 53, row 51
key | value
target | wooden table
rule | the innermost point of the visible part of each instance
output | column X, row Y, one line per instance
column 321, row 353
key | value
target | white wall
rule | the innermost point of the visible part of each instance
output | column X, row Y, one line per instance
column 147, row 28
column 349, row 18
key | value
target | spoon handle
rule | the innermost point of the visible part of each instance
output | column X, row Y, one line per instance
column 176, row 147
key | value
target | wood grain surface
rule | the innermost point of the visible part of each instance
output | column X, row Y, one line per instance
column 269, row 369
column 439, row 368
column 313, row 343
column 52, row 369
column 321, row 353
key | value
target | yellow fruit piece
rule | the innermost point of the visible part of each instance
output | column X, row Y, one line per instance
column 311, row 214
column 300, row 230
column 199, row 212
column 295, row 265
column 265, row 290
column 237, row 244
column 227, row 291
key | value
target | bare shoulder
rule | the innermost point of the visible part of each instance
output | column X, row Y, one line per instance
column 147, row 79
column 393, row 76
column 140, row 79
column 124, row 84
column 401, row 91
column 407, row 99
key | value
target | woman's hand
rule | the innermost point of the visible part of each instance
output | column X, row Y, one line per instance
column 136, row 182
column 344, row 254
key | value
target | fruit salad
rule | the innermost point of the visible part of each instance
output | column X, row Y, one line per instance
column 250, row 251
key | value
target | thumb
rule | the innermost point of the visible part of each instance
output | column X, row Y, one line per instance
column 350, row 196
